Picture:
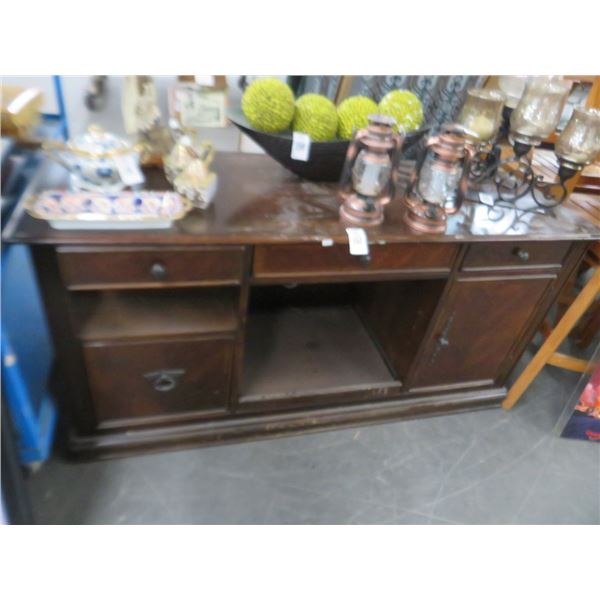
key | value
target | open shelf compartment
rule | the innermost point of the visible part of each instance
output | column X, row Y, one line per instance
column 332, row 338
column 168, row 313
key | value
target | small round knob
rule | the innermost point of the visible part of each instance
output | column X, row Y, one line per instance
column 522, row 255
column 158, row 271
column 164, row 383
column 365, row 259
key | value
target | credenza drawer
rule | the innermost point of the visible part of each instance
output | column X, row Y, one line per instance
column 280, row 260
column 515, row 255
column 133, row 383
column 90, row 268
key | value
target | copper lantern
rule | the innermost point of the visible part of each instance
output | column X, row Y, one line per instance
column 439, row 183
column 368, row 177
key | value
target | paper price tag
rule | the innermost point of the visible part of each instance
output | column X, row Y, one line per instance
column 129, row 170
column 358, row 241
column 300, row 146
column 486, row 199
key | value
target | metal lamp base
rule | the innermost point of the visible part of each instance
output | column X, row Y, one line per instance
column 424, row 217
column 361, row 212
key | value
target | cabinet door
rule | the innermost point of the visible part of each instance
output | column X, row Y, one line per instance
column 482, row 320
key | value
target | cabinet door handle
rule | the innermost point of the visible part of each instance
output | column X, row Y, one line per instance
column 521, row 254
column 158, row 271
column 166, row 380
column 443, row 341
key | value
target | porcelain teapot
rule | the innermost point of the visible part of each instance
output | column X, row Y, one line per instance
column 97, row 160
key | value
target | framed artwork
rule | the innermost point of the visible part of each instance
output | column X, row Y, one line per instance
column 581, row 418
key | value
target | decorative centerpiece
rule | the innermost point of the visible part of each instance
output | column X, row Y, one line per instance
column 270, row 117
column 534, row 118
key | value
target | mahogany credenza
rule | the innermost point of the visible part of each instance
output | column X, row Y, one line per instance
column 252, row 319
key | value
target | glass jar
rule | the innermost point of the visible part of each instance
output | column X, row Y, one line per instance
column 539, row 110
column 579, row 143
column 481, row 114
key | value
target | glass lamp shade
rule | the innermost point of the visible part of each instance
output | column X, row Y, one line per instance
column 481, row 114
column 371, row 173
column 579, row 143
column 539, row 110
column 513, row 86
column 438, row 181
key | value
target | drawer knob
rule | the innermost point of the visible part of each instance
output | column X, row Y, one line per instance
column 164, row 381
column 158, row 271
column 521, row 254
column 365, row 259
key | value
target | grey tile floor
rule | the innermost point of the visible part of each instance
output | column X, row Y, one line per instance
column 485, row 467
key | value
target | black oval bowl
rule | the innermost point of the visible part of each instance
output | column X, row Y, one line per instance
column 326, row 158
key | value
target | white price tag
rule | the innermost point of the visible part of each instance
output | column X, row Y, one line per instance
column 129, row 170
column 358, row 241
column 300, row 146
column 486, row 199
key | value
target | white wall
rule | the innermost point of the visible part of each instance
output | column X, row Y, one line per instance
column 109, row 117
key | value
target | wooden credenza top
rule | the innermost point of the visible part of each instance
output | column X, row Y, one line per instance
column 259, row 202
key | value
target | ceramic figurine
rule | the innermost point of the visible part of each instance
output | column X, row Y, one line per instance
column 196, row 182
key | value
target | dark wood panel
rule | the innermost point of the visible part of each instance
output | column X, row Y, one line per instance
column 135, row 381
column 99, row 268
column 521, row 255
column 482, row 320
column 258, row 201
column 76, row 408
column 397, row 314
column 298, row 260
column 570, row 264
column 122, row 315
column 249, row 427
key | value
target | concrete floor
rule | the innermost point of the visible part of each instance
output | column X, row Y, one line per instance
column 487, row 467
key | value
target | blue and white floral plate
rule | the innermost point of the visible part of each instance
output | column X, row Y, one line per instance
column 96, row 210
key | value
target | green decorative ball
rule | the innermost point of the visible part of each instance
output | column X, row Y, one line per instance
column 317, row 116
column 405, row 107
column 268, row 104
column 353, row 114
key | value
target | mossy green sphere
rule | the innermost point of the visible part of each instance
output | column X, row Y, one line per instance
column 405, row 107
column 268, row 104
column 353, row 114
column 316, row 115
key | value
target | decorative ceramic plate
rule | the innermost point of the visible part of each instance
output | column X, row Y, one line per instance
column 95, row 210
